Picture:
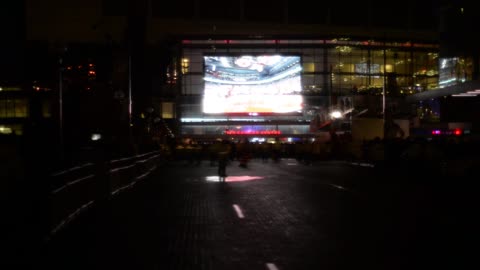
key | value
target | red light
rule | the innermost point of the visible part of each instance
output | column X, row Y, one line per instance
column 436, row 132
column 457, row 132
column 253, row 132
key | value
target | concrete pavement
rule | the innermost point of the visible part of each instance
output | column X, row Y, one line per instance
column 268, row 216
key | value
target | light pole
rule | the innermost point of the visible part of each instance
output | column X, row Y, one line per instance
column 60, row 108
column 130, row 94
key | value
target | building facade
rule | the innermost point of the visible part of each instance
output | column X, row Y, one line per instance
column 362, row 60
column 351, row 76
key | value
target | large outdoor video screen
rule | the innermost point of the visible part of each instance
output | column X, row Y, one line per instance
column 252, row 84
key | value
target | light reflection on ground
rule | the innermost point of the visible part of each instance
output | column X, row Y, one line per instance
column 236, row 178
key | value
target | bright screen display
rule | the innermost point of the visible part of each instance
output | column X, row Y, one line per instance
column 247, row 84
column 451, row 71
column 362, row 68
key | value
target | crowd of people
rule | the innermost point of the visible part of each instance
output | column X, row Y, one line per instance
column 458, row 153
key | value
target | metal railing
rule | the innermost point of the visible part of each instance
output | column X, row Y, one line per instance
column 76, row 189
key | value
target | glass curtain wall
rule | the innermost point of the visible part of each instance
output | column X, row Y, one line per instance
column 332, row 71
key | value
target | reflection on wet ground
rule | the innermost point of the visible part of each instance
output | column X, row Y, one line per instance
column 236, row 178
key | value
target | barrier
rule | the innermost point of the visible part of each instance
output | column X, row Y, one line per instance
column 77, row 189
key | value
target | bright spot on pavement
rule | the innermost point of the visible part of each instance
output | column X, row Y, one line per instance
column 236, row 178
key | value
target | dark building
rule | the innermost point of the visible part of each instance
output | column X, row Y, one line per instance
column 148, row 60
column 456, row 98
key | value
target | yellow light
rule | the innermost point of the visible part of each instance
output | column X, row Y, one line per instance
column 185, row 65
column 5, row 130
column 388, row 68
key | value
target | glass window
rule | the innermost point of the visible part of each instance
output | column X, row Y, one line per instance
column 318, row 60
column 196, row 67
column 376, row 62
column 3, row 109
column 425, row 70
column 333, row 60
column 313, row 84
column 21, row 108
column 195, row 59
column 357, row 56
column 308, row 63
column 11, row 129
column 168, row 110
column 192, row 84
column 421, row 62
column 294, row 129
column 191, row 110
column 46, row 109
column 400, row 61
column 10, row 88
column 10, row 108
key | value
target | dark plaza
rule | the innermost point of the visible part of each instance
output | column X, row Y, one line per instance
column 97, row 95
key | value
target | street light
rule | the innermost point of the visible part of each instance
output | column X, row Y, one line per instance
column 336, row 114
column 60, row 105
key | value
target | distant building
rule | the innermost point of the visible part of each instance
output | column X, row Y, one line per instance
column 348, row 57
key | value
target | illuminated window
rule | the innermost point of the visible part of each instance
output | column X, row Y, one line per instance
column 21, row 108
column 10, row 88
column 185, row 65
column 168, row 111
column 46, row 109
column 13, row 108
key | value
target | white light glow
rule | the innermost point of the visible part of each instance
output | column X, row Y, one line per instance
column 238, row 178
column 265, row 81
column 253, row 104
column 336, row 114
column 476, row 92
column 5, row 130
column 95, row 137
column 238, row 210
column 208, row 120
column 271, row 266
column 464, row 95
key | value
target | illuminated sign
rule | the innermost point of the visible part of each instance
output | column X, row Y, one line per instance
column 252, row 132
